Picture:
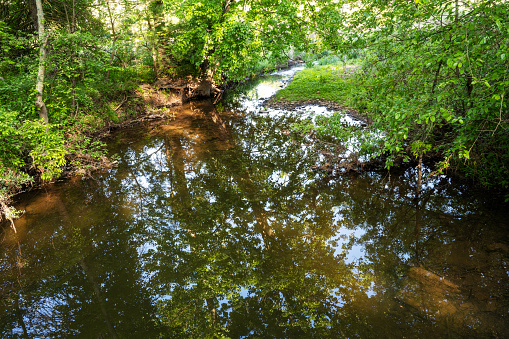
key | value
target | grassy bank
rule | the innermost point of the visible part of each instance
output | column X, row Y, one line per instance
column 333, row 83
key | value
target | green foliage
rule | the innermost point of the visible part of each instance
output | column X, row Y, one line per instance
column 334, row 128
column 433, row 77
column 333, row 125
column 230, row 38
column 77, row 85
column 441, row 84
column 80, row 75
column 7, row 42
column 304, row 126
column 11, row 153
column 47, row 148
column 81, row 79
column 29, row 146
column 17, row 93
column 9, row 137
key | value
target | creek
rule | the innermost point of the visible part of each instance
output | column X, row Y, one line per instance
column 215, row 225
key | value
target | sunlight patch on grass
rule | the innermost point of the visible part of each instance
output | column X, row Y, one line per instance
column 329, row 82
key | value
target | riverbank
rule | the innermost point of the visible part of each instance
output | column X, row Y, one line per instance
column 33, row 154
column 346, row 89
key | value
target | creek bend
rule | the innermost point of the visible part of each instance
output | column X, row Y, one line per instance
column 214, row 225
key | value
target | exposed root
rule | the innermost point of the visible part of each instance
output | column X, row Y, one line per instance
column 166, row 92
column 88, row 164
column 9, row 213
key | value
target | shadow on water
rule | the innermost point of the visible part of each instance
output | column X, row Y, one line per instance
column 214, row 225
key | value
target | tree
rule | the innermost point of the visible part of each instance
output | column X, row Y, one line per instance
column 228, row 38
column 39, row 87
column 435, row 80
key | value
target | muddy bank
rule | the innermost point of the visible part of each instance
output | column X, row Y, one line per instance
column 162, row 100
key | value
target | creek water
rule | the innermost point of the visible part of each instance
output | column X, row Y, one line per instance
column 215, row 225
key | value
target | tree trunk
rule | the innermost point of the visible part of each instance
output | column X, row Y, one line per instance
column 114, row 39
column 212, row 308
column 456, row 13
column 153, row 47
column 39, row 87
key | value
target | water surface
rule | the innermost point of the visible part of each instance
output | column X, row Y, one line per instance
column 215, row 225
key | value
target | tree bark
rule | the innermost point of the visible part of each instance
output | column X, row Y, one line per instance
column 153, row 47
column 39, row 87
column 114, row 38
column 226, row 8
column 456, row 13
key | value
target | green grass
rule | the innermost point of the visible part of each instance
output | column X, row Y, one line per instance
column 329, row 82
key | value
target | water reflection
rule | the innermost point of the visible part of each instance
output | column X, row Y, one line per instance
column 216, row 226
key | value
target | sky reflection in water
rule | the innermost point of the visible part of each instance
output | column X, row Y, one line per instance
column 215, row 225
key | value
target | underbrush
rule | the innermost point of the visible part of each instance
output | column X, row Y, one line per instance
column 84, row 92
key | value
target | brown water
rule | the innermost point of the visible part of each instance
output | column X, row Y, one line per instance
column 214, row 225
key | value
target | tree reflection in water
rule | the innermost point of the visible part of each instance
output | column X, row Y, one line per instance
column 217, row 227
